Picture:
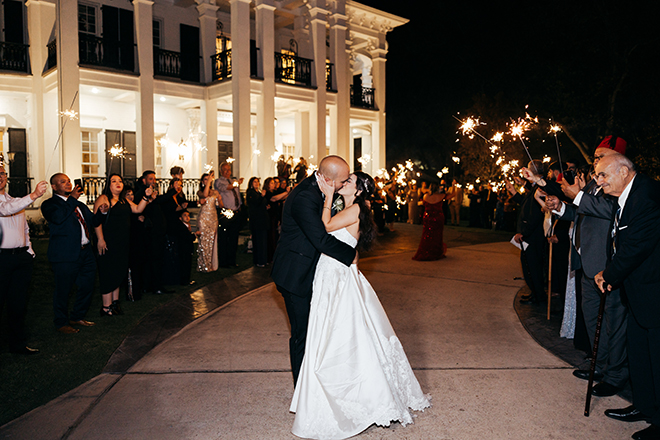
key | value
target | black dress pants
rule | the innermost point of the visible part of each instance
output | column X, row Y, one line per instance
column 82, row 273
column 228, row 231
column 15, row 273
column 644, row 358
column 297, row 307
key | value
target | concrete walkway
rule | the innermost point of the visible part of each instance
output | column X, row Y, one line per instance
column 226, row 375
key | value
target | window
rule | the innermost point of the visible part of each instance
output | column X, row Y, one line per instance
column 90, row 153
column 157, row 32
column 86, row 19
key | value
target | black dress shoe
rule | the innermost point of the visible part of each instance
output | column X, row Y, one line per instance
column 628, row 414
column 604, row 389
column 650, row 433
column 584, row 374
column 25, row 350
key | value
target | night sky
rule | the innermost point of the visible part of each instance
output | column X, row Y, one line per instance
column 565, row 59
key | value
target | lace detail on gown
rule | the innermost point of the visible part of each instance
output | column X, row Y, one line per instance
column 355, row 372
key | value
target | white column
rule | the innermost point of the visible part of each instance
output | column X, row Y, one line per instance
column 143, row 10
column 68, row 75
column 339, row 57
column 302, row 134
column 240, row 85
column 207, row 28
column 41, row 16
column 378, row 74
column 265, row 18
column 210, row 127
column 317, row 127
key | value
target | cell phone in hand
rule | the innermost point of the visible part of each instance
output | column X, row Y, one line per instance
column 78, row 183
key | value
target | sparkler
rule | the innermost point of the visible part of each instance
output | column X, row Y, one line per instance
column 554, row 129
column 69, row 115
column 517, row 129
column 227, row 213
column 469, row 126
column 445, row 170
column 230, row 160
column 208, row 167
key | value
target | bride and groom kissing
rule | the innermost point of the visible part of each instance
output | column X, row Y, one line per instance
column 349, row 368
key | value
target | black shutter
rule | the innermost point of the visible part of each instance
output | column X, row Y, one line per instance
column 13, row 21
column 129, row 165
column 18, row 166
column 126, row 46
column 112, row 164
column 110, row 36
column 189, row 37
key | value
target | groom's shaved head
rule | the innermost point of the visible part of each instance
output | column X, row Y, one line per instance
column 336, row 169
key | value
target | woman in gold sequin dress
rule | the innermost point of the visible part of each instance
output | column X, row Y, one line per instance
column 207, row 224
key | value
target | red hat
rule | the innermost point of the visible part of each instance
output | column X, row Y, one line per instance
column 614, row 143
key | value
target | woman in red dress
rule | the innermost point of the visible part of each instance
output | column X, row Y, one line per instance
column 431, row 246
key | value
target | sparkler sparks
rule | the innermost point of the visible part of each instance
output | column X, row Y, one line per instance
column 227, row 213
column 208, row 167
column 117, row 151
column 70, row 113
column 230, row 160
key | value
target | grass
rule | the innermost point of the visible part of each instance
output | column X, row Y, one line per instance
column 67, row 361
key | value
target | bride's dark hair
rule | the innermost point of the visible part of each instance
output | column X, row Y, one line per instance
column 366, row 185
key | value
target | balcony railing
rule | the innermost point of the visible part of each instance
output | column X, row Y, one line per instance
column 52, row 55
column 167, row 63
column 362, row 97
column 19, row 186
column 93, row 188
column 221, row 63
column 291, row 69
column 329, row 67
column 95, row 51
column 14, row 56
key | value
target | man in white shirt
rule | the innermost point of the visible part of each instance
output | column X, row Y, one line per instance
column 16, row 261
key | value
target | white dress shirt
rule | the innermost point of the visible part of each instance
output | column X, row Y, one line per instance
column 16, row 232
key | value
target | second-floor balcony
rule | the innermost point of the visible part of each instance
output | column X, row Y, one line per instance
column 221, row 64
column 96, row 51
column 169, row 64
column 363, row 97
column 14, row 56
column 291, row 69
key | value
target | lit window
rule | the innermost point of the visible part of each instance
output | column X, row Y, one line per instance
column 90, row 153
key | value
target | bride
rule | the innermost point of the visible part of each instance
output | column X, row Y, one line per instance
column 355, row 372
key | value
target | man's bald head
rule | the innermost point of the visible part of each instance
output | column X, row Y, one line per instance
column 614, row 172
column 335, row 169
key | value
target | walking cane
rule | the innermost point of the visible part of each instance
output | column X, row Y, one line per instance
column 592, row 370
column 549, row 280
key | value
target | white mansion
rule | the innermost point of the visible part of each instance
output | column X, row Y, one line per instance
column 188, row 83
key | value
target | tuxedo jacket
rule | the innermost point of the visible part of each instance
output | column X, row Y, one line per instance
column 593, row 219
column 636, row 263
column 303, row 239
column 65, row 230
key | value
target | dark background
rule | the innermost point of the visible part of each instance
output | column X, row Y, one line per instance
column 591, row 66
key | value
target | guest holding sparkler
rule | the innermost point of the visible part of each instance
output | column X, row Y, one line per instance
column 113, row 241
column 207, row 224
column 229, row 216
column 431, row 246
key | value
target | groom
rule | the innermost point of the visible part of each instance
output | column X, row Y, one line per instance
column 302, row 241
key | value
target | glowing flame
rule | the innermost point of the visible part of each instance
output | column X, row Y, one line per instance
column 117, row 151
column 69, row 114
column 555, row 129
column 469, row 125
column 546, row 159
column 445, row 170
column 227, row 213
column 230, row 160
column 456, row 159
column 499, row 136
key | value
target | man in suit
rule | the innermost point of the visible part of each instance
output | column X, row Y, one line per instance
column 70, row 251
column 635, row 250
column 592, row 212
column 229, row 227
column 302, row 241
column 530, row 235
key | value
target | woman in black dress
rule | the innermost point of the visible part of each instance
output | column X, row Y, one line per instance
column 259, row 221
column 114, row 241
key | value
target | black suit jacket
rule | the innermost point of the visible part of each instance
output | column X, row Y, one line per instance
column 530, row 217
column 593, row 219
column 65, row 231
column 303, row 239
column 636, row 263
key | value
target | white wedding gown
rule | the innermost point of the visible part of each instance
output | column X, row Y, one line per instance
column 355, row 372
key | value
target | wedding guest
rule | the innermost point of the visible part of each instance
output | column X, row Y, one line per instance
column 16, row 261
column 172, row 203
column 431, row 246
column 207, row 224
column 70, row 251
column 185, row 239
column 273, row 198
column 113, row 241
column 257, row 203
column 283, row 168
column 135, row 287
column 301, row 170
column 412, row 199
column 230, row 225
column 455, row 202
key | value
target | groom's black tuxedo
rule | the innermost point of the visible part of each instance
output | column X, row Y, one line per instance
column 635, row 266
column 302, row 241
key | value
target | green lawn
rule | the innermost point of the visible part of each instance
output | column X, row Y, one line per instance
column 66, row 361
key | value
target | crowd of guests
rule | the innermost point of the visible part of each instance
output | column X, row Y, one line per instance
column 603, row 222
